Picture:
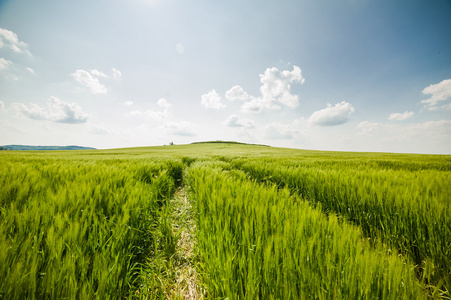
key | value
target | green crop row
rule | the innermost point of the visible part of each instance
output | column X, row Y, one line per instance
column 407, row 209
column 79, row 230
column 256, row 241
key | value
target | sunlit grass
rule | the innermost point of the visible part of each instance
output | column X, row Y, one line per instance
column 259, row 242
column 271, row 223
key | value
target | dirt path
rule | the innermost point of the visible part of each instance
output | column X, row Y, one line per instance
column 183, row 224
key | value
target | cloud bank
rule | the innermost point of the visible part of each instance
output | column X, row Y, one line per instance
column 55, row 111
column 275, row 91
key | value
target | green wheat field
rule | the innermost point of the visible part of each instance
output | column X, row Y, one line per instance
column 224, row 220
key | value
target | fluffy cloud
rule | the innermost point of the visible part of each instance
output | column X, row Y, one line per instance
column 4, row 63
column 97, row 73
column 88, row 80
column 163, row 103
column 180, row 128
column 275, row 90
column 235, row 121
column 55, row 111
column 332, row 115
column 401, row 116
column 128, row 103
column 276, row 86
column 9, row 39
column 212, row 100
column 237, row 93
column 440, row 94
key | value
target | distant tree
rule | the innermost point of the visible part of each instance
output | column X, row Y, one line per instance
column 171, row 144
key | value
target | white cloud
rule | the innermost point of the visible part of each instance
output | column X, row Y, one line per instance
column 332, row 115
column 180, row 128
column 4, row 63
column 31, row 70
column 117, row 74
column 86, row 79
column 128, row 103
column 440, row 93
column 277, row 130
column 163, row 103
column 276, row 86
column 2, row 106
column 401, row 116
column 212, row 100
column 235, row 121
column 9, row 39
column 237, row 93
column 55, row 111
column 275, row 90
column 97, row 73
column 180, row 49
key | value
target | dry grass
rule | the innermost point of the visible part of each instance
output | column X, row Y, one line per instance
column 186, row 284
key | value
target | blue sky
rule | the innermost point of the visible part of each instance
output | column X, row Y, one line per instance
column 352, row 75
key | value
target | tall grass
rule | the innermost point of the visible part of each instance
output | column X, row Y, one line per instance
column 78, row 230
column 259, row 242
column 271, row 223
column 402, row 202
